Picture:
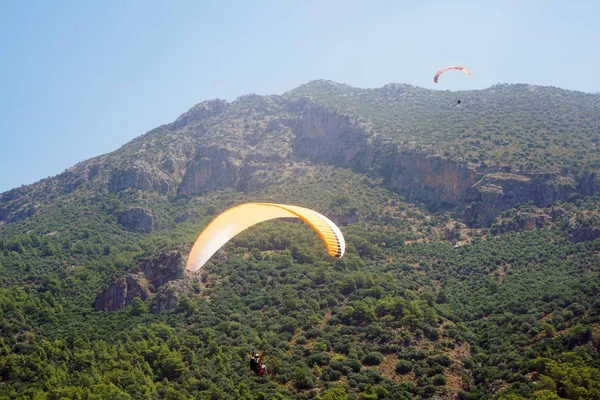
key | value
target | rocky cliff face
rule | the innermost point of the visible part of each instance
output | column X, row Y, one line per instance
column 169, row 295
column 323, row 135
column 165, row 268
column 479, row 191
column 154, row 275
column 120, row 293
column 212, row 168
column 137, row 219
column 497, row 192
column 301, row 129
column 141, row 176
column 431, row 179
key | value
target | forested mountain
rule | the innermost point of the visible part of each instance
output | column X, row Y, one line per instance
column 472, row 266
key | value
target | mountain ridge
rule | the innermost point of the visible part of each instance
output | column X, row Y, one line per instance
column 230, row 144
column 302, row 90
column 470, row 272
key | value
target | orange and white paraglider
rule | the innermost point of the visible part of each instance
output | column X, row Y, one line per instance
column 457, row 67
column 237, row 219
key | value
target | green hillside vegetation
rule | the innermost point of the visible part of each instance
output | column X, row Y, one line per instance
column 404, row 314
column 420, row 306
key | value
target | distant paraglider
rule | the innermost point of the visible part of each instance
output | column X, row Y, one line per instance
column 237, row 219
column 457, row 67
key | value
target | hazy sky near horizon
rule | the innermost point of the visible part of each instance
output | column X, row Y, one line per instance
column 81, row 78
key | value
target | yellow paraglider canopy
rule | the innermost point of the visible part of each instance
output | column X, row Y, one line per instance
column 236, row 219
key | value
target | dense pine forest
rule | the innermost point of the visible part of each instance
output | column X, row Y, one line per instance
column 472, row 265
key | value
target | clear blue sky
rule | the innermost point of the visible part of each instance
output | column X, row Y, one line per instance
column 81, row 78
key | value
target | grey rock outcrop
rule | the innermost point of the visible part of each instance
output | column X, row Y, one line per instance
column 169, row 295
column 497, row 192
column 141, row 177
column 213, row 168
column 120, row 293
column 155, row 274
column 200, row 112
column 164, row 301
column 137, row 219
column 431, row 179
column 167, row 267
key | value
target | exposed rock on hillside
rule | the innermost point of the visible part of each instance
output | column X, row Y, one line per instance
column 14, row 205
column 497, row 192
column 140, row 176
column 121, row 293
column 169, row 295
column 431, row 179
column 200, row 112
column 557, row 212
column 325, row 136
column 137, row 220
column 212, row 168
column 167, row 267
column 157, row 273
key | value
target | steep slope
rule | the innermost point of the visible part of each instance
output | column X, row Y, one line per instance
column 507, row 145
column 421, row 305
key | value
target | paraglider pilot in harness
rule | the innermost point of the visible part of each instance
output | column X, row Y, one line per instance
column 256, row 364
